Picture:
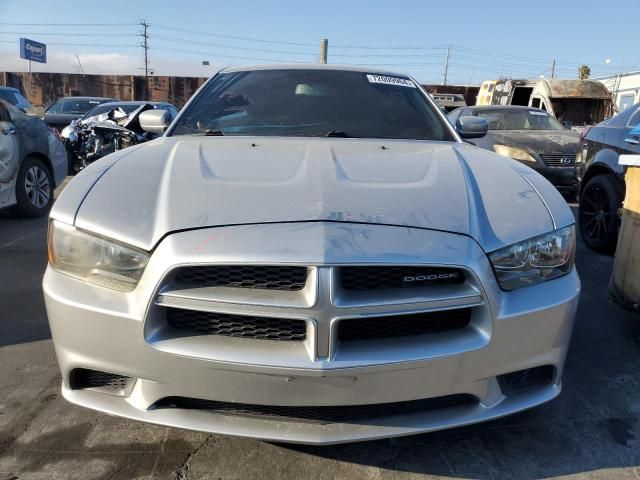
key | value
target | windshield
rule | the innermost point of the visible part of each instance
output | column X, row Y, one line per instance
column 519, row 119
column 78, row 106
column 312, row 103
column 100, row 109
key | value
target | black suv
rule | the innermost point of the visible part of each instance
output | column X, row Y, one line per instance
column 601, row 179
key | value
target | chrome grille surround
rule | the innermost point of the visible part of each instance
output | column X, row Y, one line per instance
column 322, row 305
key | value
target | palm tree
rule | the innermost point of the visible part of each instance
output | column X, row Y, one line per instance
column 584, row 71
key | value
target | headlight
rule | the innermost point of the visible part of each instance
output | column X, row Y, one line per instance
column 535, row 260
column 513, row 152
column 95, row 259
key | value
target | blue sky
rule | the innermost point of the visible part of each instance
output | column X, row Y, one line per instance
column 487, row 39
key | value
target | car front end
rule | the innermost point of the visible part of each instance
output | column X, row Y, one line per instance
column 318, row 300
column 557, row 166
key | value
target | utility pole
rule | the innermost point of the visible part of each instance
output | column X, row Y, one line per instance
column 80, row 64
column 553, row 68
column 446, row 66
column 145, row 46
column 324, row 46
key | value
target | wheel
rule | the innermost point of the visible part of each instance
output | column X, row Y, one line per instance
column 34, row 188
column 598, row 217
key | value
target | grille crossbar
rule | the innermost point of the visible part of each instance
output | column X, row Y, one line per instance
column 318, row 414
column 242, row 326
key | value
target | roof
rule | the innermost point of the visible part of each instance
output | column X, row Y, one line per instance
column 131, row 102
column 87, row 98
column 577, row 89
column 315, row 66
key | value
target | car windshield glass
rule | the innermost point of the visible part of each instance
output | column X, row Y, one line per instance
column 519, row 119
column 312, row 103
column 79, row 106
column 104, row 108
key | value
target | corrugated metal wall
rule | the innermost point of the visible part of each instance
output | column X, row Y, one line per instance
column 44, row 88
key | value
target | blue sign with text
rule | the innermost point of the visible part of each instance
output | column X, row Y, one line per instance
column 30, row 50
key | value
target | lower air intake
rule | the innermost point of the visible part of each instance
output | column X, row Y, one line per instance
column 82, row 378
column 318, row 414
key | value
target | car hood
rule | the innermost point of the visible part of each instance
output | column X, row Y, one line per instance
column 180, row 183
column 538, row 141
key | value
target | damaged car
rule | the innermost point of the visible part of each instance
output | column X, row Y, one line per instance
column 107, row 128
column 33, row 162
column 311, row 254
column 532, row 137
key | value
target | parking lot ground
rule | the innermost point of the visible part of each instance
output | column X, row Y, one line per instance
column 590, row 432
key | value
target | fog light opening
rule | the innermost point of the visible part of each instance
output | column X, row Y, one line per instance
column 111, row 383
column 526, row 380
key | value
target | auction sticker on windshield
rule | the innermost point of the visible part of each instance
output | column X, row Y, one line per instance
column 402, row 82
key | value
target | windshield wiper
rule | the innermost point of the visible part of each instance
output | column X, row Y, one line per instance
column 337, row 133
column 213, row 133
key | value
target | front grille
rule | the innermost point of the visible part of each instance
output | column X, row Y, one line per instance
column 81, row 378
column 394, row 326
column 243, row 276
column 392, row 277
column 243, row 326
column 318, row 414
column 558, row 159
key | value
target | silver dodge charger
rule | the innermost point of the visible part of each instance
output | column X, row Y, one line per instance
column 310, row 254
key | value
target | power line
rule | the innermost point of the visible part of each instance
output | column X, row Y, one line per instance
column 369, row 47
column 233, row 47
column 287, row 52
column 210, row 54
column 69, row 24
column 102, row 45
column 233, row 37
column 70, row 34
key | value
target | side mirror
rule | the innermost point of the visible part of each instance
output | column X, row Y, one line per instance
column 472, row 127
column 155, row 121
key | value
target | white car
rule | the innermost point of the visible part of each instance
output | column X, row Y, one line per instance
column 33, row 161
column 310, row 254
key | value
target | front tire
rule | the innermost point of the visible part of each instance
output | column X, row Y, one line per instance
column 598, row 217
column 34, row 188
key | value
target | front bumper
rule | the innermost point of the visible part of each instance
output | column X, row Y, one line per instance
column 95, row 328
column 563, row 178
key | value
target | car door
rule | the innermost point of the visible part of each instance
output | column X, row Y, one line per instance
column 630, row 138
column 9, row 148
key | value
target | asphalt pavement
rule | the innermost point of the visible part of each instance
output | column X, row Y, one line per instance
column 590, row 432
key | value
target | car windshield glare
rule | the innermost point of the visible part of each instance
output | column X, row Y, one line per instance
column 312, row 103
column 520, row 119
column 79, row 106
